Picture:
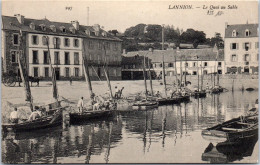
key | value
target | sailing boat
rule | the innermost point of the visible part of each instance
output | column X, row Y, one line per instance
column 200, row 92
column 54, row 115
column 105, row 111
column 217, row 88
column 145, row 103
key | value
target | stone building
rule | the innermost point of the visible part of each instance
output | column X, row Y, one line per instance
column 68, row 43
column 241, row 48
column 197, row 61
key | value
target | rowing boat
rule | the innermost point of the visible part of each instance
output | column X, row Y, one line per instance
column 40, row 123
column 89, row 115
column 144, row 105
column 231, row 130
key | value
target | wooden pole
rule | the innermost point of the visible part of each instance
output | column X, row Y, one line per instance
column 164, row 79
column 86, row 72
column 150, row 77
column 106, row 74
column 175, row 64
column 202, row 75
column 24, row 75
column 144, row 73
column 53, row 74
column 198, row 72
column 185, row 72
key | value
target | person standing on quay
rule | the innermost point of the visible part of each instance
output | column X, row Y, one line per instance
column 14, row 116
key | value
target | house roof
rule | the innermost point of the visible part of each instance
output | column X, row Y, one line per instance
column 208, row 54
column 11, row 23
column 240, row 29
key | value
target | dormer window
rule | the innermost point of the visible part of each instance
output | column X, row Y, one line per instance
column 32, row 26
column 104, row 34
column 96, row 33
column 53, row 28
column 72, row 30
column 62, row 28
column 247, row 32
column 87, row 32
column 234, row 33
column 43, row 27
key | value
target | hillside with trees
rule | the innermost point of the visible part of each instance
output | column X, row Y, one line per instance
column 143, row 37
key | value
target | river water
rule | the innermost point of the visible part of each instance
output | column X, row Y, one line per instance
column 168, row 134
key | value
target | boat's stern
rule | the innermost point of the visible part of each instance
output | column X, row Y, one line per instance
column 214, row 135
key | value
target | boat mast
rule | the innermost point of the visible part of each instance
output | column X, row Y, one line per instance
column 24, row 74
column 175, row 64
column 185, row 72
column 198, row 73
column 86, row 72
column 217, row 69
column 150, row 76
column 164, row 79
column 144, row 73
column 106, row 73
column 201, row 84
column 53, row 74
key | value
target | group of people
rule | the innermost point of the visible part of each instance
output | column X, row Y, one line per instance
column 37, row 113
column 95, row 103
column 180, row 91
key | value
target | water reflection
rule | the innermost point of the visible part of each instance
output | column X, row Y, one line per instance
column 167, row 134
column 226, row 152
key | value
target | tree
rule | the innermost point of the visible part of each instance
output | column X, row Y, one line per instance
column 218, row 40
column 193, row 36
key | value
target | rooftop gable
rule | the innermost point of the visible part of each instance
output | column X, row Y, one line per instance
column 240, row 30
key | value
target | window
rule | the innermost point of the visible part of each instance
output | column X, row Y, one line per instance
column 35, row 40
column 234, row 46
column 67, row 72
column 247, row 46
column 99, row 45
column 76, row 43
column 15, row 39
column 44, row 40
column 194, row 64
column 35, row 57
column 76, row 58
column 107, row 45
column 154, row 65
column 46, row 72
column 247, row 33
column 35, row 71
column 115, row 46
column 160, row 65
column 257, row 57
column 45, row 57
column 246, row 57
column 187, row 64
column 257, row 45
column 91, row 45
column 234, row 57
column 234, row 33
column 205, row 64
column 32, row 26
column 14, row 57
column 66, row 42
column 219, row 64
column 194, row 73
column 76, row 72
column 56, row 42
column 170, row 65
column 53, row 28
column 56, row 58
column 67, row 58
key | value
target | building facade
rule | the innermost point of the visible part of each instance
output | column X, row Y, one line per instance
column 193, row 61
column 241, row 48
column 68, row 43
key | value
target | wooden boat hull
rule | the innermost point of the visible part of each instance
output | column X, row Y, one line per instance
column 200, row 94
column 78, row 117
column 166, row 101
column 144, row 105
column 45, row 122
column 230, row 131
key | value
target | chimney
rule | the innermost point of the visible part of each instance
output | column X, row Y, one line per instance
column 75, row 24
column 96, row 27
column 226, row 25
column 20, row 18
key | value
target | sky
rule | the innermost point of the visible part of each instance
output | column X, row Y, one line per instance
column 121, row 15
